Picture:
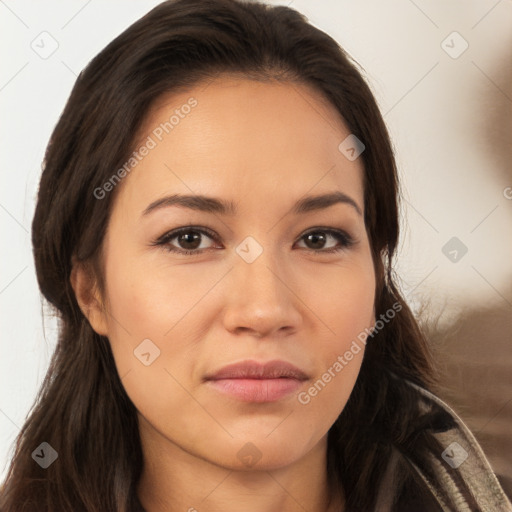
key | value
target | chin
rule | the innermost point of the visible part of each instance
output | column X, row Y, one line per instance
column 264, row 452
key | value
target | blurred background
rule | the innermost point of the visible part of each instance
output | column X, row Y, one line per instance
column 441, row 71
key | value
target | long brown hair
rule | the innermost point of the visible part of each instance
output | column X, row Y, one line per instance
column 82, row 410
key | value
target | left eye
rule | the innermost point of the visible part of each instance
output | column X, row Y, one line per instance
column 189, row 238
column 321, row 235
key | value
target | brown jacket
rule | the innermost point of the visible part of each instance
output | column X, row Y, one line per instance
column 456, row 478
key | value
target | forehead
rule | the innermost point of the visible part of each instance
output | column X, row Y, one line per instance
column 241, row 137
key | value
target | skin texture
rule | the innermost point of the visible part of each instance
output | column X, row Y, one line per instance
column 263, row 146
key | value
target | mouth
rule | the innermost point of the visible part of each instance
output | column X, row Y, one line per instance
column 251, row 381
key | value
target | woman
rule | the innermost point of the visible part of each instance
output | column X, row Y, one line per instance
column 277, row 367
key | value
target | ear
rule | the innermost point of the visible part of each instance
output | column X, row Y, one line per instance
column 88, row 296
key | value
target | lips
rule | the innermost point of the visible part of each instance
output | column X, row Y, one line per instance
column 251, row 381
column 255, row 370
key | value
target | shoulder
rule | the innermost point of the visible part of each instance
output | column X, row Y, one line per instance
column 447, row 468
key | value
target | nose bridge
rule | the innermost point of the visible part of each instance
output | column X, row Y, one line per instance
column 260, row 298
column 257, row 270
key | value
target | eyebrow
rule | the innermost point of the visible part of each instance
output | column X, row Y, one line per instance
column 215, row 205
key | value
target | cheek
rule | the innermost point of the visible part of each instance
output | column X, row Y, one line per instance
column 344, row 303
column 346, row 308
column 148, row 298
column 169, row 305
column 150, row 337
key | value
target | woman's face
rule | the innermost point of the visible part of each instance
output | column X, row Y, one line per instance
column 262, row 286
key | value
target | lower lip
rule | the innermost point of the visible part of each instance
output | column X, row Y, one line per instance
column 256, row 390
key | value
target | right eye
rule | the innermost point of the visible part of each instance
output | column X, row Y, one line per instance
column 189, row 237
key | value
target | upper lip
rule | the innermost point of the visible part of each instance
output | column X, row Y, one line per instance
column 256, row 370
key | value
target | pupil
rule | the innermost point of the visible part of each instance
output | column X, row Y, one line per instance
column 188, row 238
column 315, row 238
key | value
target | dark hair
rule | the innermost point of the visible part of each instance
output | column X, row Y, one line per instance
column 82, row 409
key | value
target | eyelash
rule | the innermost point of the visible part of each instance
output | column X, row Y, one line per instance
column 345, row 239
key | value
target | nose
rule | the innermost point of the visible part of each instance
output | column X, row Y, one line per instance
column 262, row 298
